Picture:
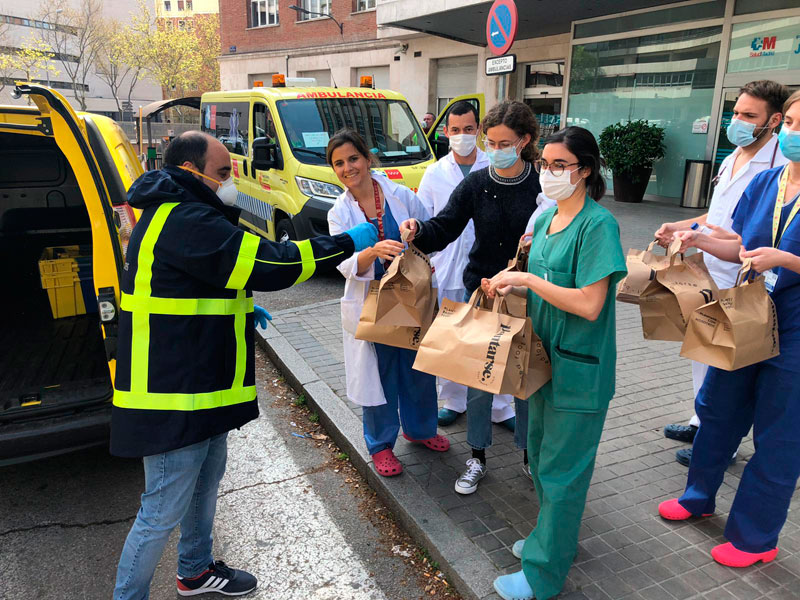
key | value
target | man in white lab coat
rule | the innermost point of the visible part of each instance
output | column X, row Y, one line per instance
column 756, row 114
column 439, row 181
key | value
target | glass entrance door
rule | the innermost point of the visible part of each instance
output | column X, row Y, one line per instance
column 548, row 113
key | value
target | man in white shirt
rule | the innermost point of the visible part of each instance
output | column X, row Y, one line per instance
column 756, row 114
column 439, row 181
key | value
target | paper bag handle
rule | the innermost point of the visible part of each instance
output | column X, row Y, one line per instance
column 672, row 251
column 746, row 272
column 499, row 300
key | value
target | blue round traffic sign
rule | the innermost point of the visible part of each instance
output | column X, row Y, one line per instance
column 501, row 26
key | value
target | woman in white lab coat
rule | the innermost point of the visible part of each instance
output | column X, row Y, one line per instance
column 379, row 377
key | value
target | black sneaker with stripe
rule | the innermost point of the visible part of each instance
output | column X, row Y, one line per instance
column 218, row 578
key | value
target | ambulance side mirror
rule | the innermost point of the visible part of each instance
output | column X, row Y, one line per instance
column 266, row 155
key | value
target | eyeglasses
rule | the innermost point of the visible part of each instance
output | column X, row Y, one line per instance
column 555, row 168
column 487, row 143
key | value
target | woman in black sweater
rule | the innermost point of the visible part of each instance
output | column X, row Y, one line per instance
column 499, row 199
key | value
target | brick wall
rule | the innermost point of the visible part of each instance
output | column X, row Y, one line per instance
column 291, row 34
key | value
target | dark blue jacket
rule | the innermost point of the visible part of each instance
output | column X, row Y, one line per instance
column 185, row 360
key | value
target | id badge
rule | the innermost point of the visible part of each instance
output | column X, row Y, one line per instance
column 770, row 279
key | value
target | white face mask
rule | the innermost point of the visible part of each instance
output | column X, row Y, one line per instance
column 557, row 188
column 463, row 144
column 227, row 192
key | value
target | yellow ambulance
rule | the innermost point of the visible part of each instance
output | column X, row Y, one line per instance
column 277, row 138
column 64, row 226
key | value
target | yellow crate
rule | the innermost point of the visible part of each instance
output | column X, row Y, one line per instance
column 59, row 259
column 60, row 275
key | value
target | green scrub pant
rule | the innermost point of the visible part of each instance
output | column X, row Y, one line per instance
column 561, row 449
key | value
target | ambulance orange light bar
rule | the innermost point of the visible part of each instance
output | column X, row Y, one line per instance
column 366, row 81
column 279, row 80
column 258, row 84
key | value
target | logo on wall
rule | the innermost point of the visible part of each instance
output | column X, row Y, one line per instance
column 763, row 46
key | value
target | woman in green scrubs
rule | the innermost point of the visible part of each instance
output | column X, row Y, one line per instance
column 575, row 263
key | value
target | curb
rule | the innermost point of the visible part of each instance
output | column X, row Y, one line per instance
column 462, row 562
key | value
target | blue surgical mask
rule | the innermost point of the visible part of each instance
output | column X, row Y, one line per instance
column 503, row 159
column 789, row 142
column 740, row 133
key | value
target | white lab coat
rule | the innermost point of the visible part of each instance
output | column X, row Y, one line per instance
column 438, row 182
column 360, row 361
column 726, row 197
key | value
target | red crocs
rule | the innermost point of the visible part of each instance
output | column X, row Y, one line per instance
column 437, row 443
column 726, row 554
column 673, row 511
column 386, row 463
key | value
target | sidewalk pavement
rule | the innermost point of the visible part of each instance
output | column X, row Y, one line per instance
column 626, row 551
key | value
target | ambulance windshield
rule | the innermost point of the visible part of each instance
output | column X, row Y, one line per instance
column 388, row 126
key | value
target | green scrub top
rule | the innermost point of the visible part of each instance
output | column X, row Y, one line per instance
column 583, row 353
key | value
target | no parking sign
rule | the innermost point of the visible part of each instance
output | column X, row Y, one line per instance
column 501, row 26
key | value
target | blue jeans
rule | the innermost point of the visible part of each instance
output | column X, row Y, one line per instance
column 479, row 416
column 411, row 392
column 479, row 420
column 180, row 488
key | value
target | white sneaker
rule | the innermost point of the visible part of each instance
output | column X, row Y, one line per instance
column 526, row 469
column 468, row 482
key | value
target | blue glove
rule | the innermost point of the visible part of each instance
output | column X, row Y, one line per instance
column 363, row 235
column 261, row 316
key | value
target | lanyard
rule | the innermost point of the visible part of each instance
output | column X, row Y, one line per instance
column 776, row 213
column 378, row 210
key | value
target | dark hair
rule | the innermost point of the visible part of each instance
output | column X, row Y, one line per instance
column 429, row 113
column 349, row 136
column 583, row 145
column 191, row 146
column 791, row 100
column 462, row 108
column 519, row 117
column 771, row 92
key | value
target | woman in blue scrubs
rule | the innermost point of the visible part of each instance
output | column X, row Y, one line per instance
column 766, row 395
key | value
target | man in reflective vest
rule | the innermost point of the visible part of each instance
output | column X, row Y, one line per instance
column 185, row 364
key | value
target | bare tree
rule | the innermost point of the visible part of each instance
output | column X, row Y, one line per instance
column 112, row 63
column 74, row 35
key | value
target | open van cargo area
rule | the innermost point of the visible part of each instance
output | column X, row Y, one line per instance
column 47, row 366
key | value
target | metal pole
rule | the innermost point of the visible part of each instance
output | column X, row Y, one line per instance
column 140, row 130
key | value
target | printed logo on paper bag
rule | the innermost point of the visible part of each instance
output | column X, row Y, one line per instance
column 491, row 353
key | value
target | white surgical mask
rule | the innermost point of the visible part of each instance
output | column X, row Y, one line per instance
column 557, row 188
column 463, row 144
column 227, row 192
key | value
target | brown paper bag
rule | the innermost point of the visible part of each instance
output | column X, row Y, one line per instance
column 738, row 329
column 488, row 350
column 642, row 266
column 401, row 337
column 674, row 293
column 404, row 292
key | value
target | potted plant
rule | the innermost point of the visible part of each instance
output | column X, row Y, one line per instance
column 630, row 149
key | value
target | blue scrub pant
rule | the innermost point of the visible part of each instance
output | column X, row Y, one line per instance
column 768, row 398
column 413, row 392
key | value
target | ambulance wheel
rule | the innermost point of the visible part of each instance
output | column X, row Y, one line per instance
column 284, row 231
